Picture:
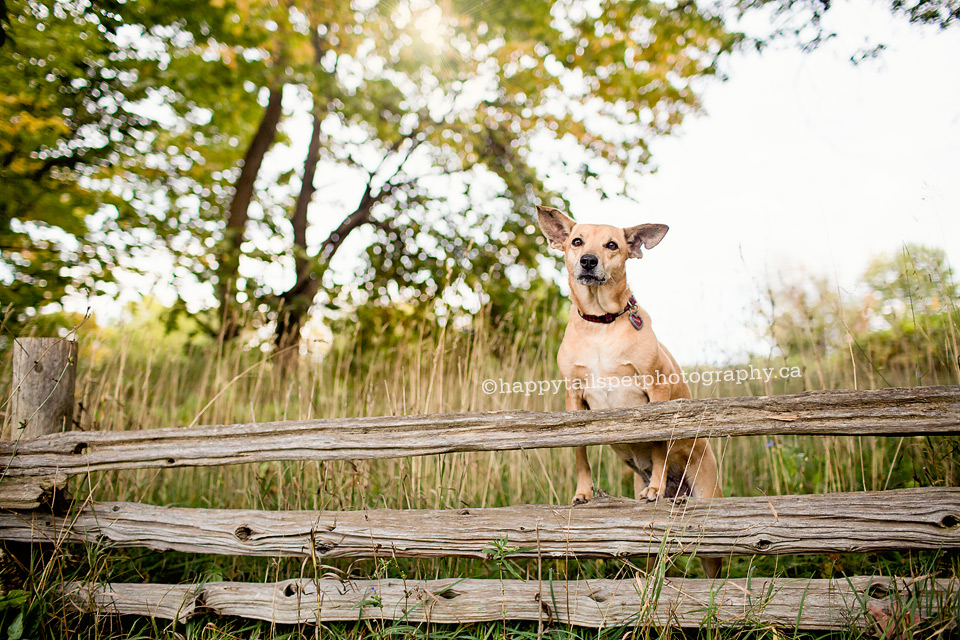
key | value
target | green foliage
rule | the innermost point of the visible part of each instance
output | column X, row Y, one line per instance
column 916, row 282
column 63, row 122
column 123, row 127
column 117, row 120
column 12, row 613
column 906, row 321
column 942, row 13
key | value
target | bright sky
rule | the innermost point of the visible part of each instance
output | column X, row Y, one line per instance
column 803, row 163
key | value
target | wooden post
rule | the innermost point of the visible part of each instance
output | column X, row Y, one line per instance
column 44, row 376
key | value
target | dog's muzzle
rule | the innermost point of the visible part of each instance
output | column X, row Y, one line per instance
column 589, row 271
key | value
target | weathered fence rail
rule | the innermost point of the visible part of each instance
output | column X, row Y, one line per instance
column 883, row 412
column 806, row 604
column 33, row 468
column 924, row 518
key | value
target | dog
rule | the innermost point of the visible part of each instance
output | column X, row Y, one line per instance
column 611, row 336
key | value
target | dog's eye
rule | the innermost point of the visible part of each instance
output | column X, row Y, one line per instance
column 577, row 242
column 612, row 245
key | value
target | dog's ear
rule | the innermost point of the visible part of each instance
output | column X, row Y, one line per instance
column 555, row 226
column 645, row 235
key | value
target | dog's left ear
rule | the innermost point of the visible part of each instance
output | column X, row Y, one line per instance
column 555, row 226
column 646, row 235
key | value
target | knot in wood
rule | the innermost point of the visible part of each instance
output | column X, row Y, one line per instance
column 200, row 604
column 447, row 593
column 323, row 547
column 598, row 595
column 878, row 590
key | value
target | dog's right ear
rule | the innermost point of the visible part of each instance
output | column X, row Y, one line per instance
column 555, row 226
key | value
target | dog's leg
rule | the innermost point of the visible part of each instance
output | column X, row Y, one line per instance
column 703, row 473
column 639, row 485
column 584, row 479
column 574, row 402
column 658, row 475
column 660, row 451
column 712, row 567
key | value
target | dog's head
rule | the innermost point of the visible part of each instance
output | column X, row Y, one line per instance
column 596, row 253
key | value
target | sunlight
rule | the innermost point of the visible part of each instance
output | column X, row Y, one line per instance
column 430, row 24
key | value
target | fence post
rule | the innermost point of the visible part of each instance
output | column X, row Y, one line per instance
column 44, row 377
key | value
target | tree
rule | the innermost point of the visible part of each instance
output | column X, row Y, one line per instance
column 912, row 308
column 167, row 139
column 114, row 130
column 63, row 123
column 899, row 328
column 916, row 282
column 463, row 105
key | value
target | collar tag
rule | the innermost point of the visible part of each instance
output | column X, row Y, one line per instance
column 636, row 320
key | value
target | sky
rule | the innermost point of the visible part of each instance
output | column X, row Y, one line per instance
column 803, row 163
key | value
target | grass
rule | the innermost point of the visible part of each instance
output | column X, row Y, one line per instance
column 135, row 376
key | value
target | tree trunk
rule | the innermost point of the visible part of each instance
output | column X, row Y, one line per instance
column 294, row 305
column 296, row 302
column 239, row 207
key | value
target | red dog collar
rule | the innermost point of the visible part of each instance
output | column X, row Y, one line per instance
column 607, row 318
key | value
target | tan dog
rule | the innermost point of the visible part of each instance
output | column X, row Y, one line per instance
column 610, row 336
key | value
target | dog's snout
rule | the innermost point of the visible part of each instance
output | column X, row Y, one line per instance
column 589, row 261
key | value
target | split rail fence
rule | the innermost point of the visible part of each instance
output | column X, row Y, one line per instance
column 36, row 469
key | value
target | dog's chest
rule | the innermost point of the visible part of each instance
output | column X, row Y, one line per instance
column 605, row 365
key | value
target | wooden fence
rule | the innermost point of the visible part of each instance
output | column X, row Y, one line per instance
column 36, row 470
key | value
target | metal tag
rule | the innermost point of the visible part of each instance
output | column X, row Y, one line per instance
column 636, row 320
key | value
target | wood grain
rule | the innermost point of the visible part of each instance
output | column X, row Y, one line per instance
column 609, row 528
column 44, row 377
column 920, row 410
column 807, row 604
column 31, row 492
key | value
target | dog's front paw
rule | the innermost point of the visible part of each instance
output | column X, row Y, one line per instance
column 581, row 498
column 650, row 494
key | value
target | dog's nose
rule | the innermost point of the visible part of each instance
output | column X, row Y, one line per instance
column 589, row 261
